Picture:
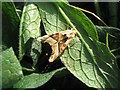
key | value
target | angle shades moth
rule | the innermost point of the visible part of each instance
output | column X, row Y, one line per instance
column 58, row 42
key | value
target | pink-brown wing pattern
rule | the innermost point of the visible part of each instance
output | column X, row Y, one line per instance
column 58, row 42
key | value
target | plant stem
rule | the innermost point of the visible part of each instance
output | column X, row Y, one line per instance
column 79, row 35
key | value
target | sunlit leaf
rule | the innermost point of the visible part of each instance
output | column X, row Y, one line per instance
column 35, row 80
column 29, row 29
column 91, row 62
column 86, row 58
column 51, row 18
column 11, row 69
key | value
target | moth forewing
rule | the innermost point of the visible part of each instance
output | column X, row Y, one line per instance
column 54, row 45
column 58, row 42
column 43, row 38
column 55, row 52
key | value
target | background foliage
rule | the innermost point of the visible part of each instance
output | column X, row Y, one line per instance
column 87, row 62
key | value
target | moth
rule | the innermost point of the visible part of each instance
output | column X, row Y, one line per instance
column 58, row 42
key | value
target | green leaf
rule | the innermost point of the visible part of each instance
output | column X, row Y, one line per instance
column 29, row 28
column 86, row 58
column 96, row 71
column 113, row 39
column 90, row 61
column 82, row 23
column 35, row 80
column 11, row 69
column 10, row 24
column 51, row 18
column 114, row 35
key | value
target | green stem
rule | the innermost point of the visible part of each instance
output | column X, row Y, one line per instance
column 107, row 44
column 27, row 69
column 79, row 35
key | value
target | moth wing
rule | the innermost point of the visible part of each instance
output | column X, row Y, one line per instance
column 43, row 38
column 58, row 42
column 62, row 46
column 55, row 51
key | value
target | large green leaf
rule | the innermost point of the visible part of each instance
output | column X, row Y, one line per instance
column 86, row 58
column 29, row 29
column 91, row 62
column 82, row 23
column 10, row 24
column 35, row 80
column 96, row 71
column 51, row 18
column 11, row 69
